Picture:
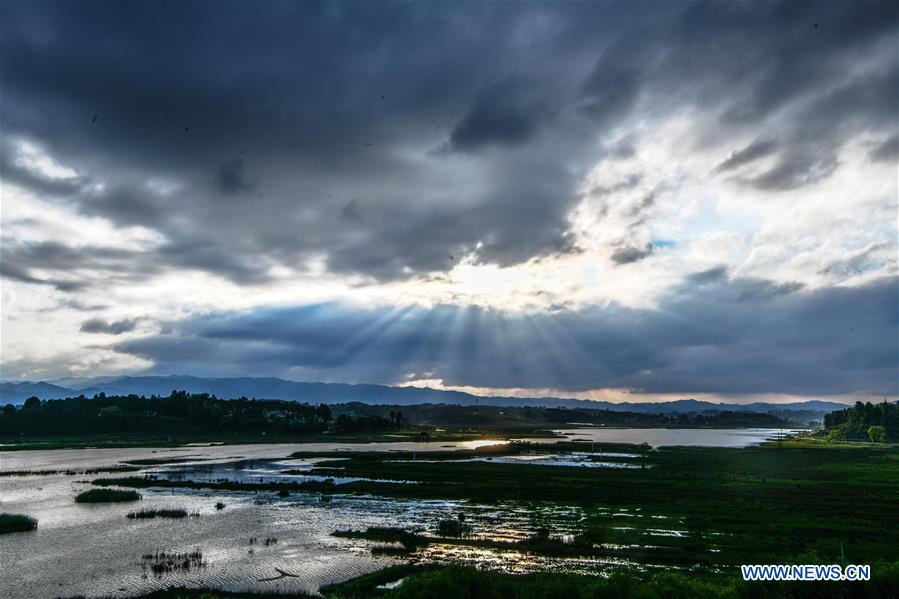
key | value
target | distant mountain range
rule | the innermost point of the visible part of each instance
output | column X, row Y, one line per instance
column 332, row 393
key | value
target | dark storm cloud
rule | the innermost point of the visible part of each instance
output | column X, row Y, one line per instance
column 866, row 103
column 297, row 110
column 757, row 149
column 17, row 273
column 21, row 260
column 886, row 151
column 507, row 113
column 41, row 185
column 98, row 325
column 867, row 259
column 797, row 170
column 631, row 254
column 739, row 336
column 711, row 275
column 231, row 178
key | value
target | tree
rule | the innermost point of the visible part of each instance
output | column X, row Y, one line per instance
column 835, row 435
column 877, row 434
column 645, row 448
column 32, row 403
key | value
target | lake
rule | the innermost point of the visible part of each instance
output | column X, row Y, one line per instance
column 667, row 437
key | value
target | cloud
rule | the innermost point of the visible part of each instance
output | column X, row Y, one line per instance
column 17, row 273
column 503, row 154
column 742, row 336
column 98, row 325
column 231, row 179
column 506, row 113
column 358, row 120
column 797, row 170
column 886, row 151
column 869, row 258
column 630, row 254
column 711, row 275
column 757, row 149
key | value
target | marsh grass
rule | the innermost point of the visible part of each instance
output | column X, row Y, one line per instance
column 70, row 472
column 408, row 540
column 162, row 562
column 172, row 513
column 453, row 528
column 716, row 507
column 107, row 496
column 10, row 523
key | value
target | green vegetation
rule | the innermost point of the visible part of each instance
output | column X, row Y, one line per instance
column 369, row 423
column 468, row 583
column 119, row 468
column 135, row 421
column 181, row 438
column 107, row 496
column 184, row 593
column 180, row 412
column 163, row 461
column 164, row 562
column 147, row 514
column 408, row 540
column 523, row 419
column 367, row 585
column 722, row 507
column 877, row 434
column 16, row 523
column 453, row 527
column 864, row 422
column 423, row 582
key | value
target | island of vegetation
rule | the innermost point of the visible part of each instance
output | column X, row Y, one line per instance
column 10, row 523
column 107, row 496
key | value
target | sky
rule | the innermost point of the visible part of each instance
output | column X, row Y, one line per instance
column 621, row 201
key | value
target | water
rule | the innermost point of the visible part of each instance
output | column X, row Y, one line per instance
column 94, row 550
column 55, row 459
column 666, row 437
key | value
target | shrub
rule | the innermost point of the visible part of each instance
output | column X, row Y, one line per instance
column 16, row 523
column 106, row 496
column 146, row 514
column 453, row 528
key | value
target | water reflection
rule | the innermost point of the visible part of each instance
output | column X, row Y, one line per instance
column 666, row 437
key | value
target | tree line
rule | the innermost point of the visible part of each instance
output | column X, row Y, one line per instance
column 179, row 412
column 864, row 422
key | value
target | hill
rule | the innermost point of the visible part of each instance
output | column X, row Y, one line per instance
column 336, row 393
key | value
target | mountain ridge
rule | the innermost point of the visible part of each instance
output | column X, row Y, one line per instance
column 332, row 393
